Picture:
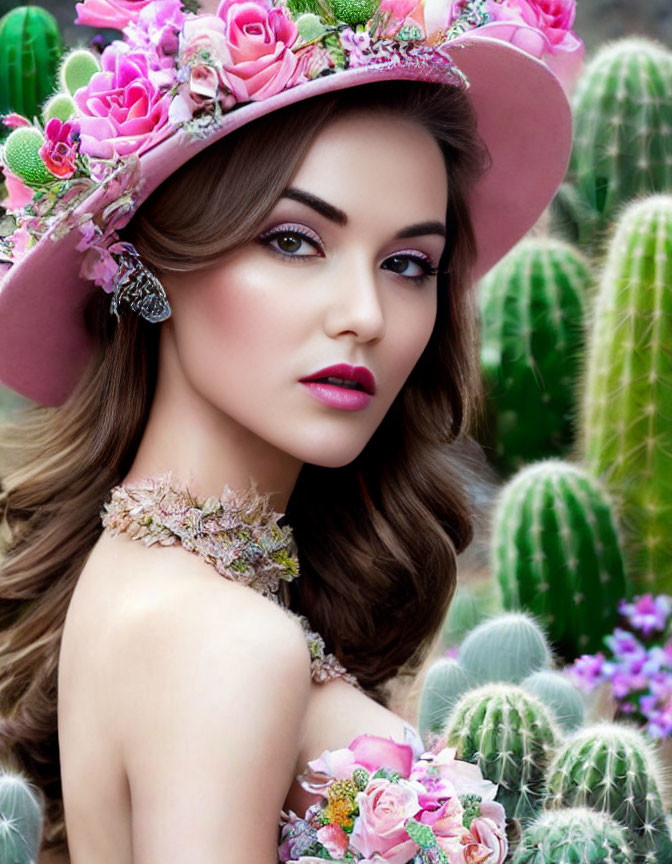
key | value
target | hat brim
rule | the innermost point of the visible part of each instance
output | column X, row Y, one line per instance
column 523, row 117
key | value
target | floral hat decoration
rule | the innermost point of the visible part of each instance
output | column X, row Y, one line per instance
column 186, row 74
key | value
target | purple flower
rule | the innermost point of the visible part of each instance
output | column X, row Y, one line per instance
column 357, row 45
column 587, row 670
column 647, row 613
column 156, row 30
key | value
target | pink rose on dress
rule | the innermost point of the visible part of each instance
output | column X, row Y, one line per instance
column 110, row 13
column 124, row 107
column 384, row 808
column 334, row 839
column 59, row 151
column 259, row 61
column 445, row 820
column 491, row 835
column 374, row 752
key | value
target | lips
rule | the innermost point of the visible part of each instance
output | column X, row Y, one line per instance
column 345, row 376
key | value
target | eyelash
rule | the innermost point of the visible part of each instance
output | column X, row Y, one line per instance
column 283, row 231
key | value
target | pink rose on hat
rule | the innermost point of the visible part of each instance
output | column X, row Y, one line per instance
column 259, row 36
column 384, row 808
column 124, row 107
column 110, row 13
column 552, row 18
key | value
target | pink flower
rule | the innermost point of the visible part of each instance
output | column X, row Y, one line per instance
column 18, row 194
column 553, row 18
column 398, row 9
column 311, row 62
column 439, row 14
column 488, row 833
column 124, row 107
column 59, row 151
column 157, row 30
column 334, row 839
column 14, row 120
column 446, row 820
column 110, row 13
column 384, row 808
column 356, row 44
column 259, row 61
column 374, row 752
column 465, row 778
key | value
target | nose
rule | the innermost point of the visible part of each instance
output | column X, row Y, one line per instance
column 355, row 308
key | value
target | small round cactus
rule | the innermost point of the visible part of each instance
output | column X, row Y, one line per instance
column 532, row 314
column 560, row 695
column 20, row 820
column 77, row 69
column 506, row 648
column 21, row 154
column 511, row 736
column 444, row 683
column 611, row 768
column 573, row 836
column 556, row 553
column 626, row 428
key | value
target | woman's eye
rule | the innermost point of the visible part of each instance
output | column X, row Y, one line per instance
column 292, row 243
column 410, row 266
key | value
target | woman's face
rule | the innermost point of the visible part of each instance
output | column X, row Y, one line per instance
column 342, row 274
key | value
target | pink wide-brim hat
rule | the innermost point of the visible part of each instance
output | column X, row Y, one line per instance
column 524, row 120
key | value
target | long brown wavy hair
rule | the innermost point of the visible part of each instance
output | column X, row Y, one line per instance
column 377, row 539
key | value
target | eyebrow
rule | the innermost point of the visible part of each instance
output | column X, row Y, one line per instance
column 334, row 214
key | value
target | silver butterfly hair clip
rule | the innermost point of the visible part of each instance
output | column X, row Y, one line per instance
column 138, row 287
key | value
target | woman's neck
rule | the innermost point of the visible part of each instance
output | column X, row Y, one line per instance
column 205, row 449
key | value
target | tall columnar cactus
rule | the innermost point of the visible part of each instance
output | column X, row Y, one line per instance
column 30, row 53
column 20, row 820
column 532, row 313
column 556, row 552
column 444, row 683
column 505, row 649
column 627, row 412
column 622, row 134
column 611, row 768
column 511, row 736
column 573, row 836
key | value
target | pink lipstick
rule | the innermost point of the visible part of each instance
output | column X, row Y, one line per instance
column 349, row 388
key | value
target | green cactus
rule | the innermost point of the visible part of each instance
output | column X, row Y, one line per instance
column 511, row 736
column 444, row 683
column 611, row 768
column 532, row 321
column 556, row 553
column 20, row 820
column 21, row 154
column 506, row 648
column 622, row 132
column 627, row 433
column 560, row 695
column 471, row 604
column 77, row 69
column 30, row 52
column 573, row 836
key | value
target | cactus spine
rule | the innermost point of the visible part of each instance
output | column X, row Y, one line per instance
column 445, row 682
column 556, row 552
column 622, row 129
column 511, row 736
column 506, row 648
column 532, row 311
column 573, row 836
column 556, row 691
column 30, row 52
column 611, row 768
column 20, row 820
column 627, row 433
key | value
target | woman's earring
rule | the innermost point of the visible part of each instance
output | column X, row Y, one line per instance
column 138, row 287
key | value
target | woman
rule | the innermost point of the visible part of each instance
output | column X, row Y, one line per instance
column 308, row 245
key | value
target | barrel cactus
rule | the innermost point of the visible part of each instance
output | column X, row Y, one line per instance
column 627, row 433
column 30, row 52
column 506, row 648
column 511, row 736
column 611, row 768
column 556, row 552
column 557, row 692
column 622, row 132
column 20, row 820
column 444, row 683
column 573, row 836
column 532, row 320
